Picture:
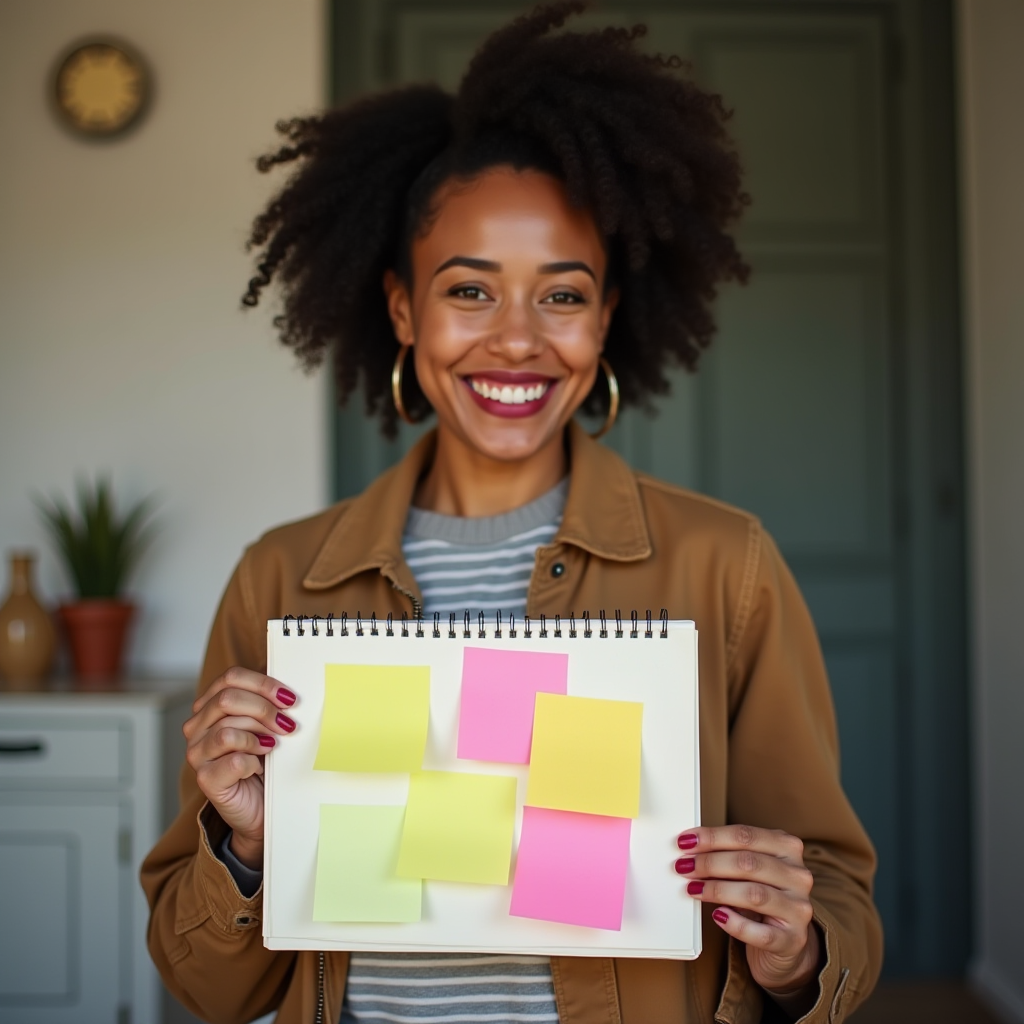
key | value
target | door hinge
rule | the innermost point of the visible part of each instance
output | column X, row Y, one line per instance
column 124, row 850
column 124, row 1014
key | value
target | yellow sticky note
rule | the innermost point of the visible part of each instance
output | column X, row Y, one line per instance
column 458, row 827
column 356, row 859
column 585, row 755
column 375, row 718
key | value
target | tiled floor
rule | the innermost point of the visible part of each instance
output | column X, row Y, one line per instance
column 937, row 1002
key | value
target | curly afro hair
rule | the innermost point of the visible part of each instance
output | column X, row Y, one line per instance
column 634, row 141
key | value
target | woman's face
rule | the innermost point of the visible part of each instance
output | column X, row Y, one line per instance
column 507, row 312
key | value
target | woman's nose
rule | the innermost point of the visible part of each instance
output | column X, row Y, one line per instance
column 515, row 333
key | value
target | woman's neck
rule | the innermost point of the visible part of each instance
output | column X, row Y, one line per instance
column 462, row 482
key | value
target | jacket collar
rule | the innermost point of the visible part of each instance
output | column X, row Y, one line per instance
column 603, row 515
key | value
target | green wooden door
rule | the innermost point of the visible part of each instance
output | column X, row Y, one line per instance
column 799, row 410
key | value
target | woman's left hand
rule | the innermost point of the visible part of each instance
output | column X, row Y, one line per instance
column 759, row 879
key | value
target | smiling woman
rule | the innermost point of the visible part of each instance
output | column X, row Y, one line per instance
column 506, row 310
column 569, row 210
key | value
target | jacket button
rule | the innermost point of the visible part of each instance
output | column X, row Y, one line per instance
column 558, row 569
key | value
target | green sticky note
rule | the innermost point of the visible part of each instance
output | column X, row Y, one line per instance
column 375, row 718
column 355, row 867
column 458, row 827
column 585, row 755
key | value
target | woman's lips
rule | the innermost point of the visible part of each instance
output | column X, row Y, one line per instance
column 508, row 394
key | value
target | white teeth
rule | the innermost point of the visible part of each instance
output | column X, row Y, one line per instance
column 508, row 395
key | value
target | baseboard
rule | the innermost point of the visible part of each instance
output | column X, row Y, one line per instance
column 1005, row 1000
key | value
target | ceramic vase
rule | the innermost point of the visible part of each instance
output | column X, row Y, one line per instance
column 27, row 636
column 96, row 631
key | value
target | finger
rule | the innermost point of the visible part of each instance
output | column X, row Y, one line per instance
column 760, row 934
column 267, row 739
column 238, row 678
column 228, row 739
column 753, row 898
column 219, row 776
column 774, row 842
column 236, row 703
column 750, row 866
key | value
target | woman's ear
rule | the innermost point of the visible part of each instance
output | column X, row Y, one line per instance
column 399, row 307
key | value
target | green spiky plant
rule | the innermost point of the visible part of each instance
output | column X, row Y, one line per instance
column 100, row 549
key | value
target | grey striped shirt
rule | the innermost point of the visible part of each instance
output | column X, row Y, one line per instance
column 479, row 565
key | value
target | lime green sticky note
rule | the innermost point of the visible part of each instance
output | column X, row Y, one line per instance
column 458, row 827
column 375, row 718
column 355, row 867
column 585, row 755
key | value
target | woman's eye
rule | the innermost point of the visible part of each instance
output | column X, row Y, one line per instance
column 564, row 298
column 468, row 291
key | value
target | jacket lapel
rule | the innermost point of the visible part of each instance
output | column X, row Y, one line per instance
column 603, row 515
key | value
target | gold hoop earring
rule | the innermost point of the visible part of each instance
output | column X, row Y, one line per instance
column 396, row 384
column 613, row 400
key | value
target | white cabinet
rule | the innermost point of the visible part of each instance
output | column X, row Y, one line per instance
column 88, row 781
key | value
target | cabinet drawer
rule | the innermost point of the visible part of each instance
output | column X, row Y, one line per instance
column 69, row 751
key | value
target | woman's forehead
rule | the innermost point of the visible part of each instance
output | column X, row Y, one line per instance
column 505, row 210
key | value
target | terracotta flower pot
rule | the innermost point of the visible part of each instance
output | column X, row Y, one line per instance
column 96, row 631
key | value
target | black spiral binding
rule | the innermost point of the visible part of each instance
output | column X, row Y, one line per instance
column 300, row 625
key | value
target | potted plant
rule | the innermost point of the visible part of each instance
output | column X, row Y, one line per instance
column 100, row 549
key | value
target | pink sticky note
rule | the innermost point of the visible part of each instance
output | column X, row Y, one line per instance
column 499, row 689
column 571, row 868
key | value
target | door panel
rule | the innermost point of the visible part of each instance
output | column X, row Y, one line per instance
column 813, row 155
column 796, row 425
column 797, row 413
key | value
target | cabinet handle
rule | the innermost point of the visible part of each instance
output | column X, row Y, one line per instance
column 18, row 747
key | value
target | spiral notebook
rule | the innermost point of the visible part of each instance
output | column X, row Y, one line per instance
column 494, row 786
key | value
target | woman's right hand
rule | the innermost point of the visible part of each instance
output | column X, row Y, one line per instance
column 233, row 725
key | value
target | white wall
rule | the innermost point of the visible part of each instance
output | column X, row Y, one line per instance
column 122, row 345
column 992, row 88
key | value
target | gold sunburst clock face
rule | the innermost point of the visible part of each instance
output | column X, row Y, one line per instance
column 101, row 88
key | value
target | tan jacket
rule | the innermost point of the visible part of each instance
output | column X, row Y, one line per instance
column 767, row 740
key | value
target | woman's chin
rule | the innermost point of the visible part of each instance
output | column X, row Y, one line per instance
column 508, row 440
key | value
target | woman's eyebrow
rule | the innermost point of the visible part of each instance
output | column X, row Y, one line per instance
column 565, row 266
column 468, row 261
column 492, row 267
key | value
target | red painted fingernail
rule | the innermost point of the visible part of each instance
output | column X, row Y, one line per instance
column 285, row 722
column 687, row 841
column 685, row 865
column 285, row 696
column 721, row 916
column 266, row 741
column 694, row 888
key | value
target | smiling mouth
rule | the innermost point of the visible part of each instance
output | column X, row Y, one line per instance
column 510, row 394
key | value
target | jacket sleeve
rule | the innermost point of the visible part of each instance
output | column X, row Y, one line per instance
column 204, row 935
column 784, row 774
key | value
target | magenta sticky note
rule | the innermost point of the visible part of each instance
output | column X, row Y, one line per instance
column 499, row 689
column 571, row 868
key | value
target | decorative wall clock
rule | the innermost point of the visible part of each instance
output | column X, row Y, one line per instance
column 101, row 88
